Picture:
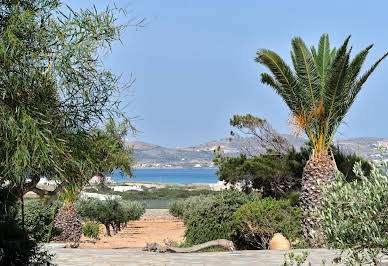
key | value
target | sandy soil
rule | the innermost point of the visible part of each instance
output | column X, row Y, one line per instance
column 154, row 226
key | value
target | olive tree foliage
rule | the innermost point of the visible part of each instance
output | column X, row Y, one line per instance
column 354, row 216
column 54, row 91
column 110, row 212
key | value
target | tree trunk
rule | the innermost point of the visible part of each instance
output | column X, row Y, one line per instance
column 107, row 230
column 320, row 169
column 69, row 221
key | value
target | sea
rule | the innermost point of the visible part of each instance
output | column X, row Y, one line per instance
column 173, row 176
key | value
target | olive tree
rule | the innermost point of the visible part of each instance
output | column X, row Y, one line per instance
column 110, row 212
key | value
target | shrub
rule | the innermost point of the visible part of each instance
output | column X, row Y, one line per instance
column 91, row 229
column 293, row 198
column 209, row 217
column 256, row 222
column 177, row 208
column 39, row 218
column 16, row 248
column 354, row 215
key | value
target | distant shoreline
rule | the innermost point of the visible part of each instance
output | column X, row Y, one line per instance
column 169, row 175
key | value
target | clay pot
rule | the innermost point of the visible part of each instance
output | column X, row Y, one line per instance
column 279, row 242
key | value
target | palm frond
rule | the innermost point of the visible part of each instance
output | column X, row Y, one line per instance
column 306, row 70
column 332, row 55
column 282, row 73
column 323, row 87
column 323, row 59
column 358, row 85
column 293, row 59
column 336, row 77
column 313, row 51
column 287, row 97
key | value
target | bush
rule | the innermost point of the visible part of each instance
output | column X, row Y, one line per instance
column 354, row 215
column 256, row 222
column 177, row 208
column 91, row 229
column 209, row 217
column 39, row 218
column 16, row 248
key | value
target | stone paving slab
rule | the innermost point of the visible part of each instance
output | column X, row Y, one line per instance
column 137, row 257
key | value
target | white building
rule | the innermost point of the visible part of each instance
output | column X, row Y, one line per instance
column 127, row 188
column 86, row 195
column 46, row 182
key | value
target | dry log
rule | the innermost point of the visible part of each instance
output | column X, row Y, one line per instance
column 219, row 242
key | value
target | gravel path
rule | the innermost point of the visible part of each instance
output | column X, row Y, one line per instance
column 157, row 214
column 135, row 257
column 155, row 225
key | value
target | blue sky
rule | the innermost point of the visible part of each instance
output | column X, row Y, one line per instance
column 194, row 67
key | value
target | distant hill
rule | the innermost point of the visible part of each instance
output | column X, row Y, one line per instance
column 154, row 156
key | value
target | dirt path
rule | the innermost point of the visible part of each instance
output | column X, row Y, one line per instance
column 153, row 226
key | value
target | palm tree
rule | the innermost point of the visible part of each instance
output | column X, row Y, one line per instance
column 319, row 93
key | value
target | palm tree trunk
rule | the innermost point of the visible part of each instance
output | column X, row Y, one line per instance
column 320, row 169
column 69, row 222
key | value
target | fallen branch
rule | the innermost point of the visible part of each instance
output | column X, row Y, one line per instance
column 219, row 242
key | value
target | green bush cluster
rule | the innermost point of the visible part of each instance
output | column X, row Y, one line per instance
column 278, row 174
column 177, row 208
column 91, row 229
column 246, row 219
column 16, row 245
column 209, row 217
column 256, row 222
column 111, row 212
column 354, row 215
column 39, row 219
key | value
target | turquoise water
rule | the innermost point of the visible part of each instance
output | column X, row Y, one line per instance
column 173, row 176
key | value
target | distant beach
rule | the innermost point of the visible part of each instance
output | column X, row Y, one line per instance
column 173, row 176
